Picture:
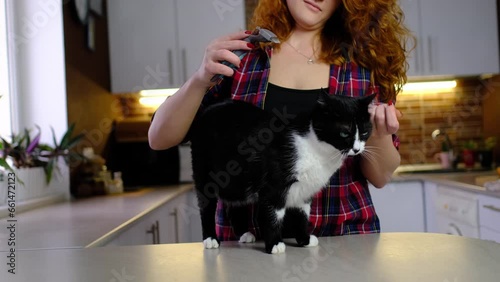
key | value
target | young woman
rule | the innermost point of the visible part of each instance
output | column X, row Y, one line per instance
column 347, row 47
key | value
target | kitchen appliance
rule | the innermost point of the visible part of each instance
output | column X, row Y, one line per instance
column 456, row 212
column 128, row 151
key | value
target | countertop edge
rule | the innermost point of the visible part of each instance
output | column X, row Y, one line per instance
column 450, row 182
column 101, row 241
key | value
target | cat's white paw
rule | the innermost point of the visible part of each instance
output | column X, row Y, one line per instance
column 279, row 248
column 210, row 243
column 247, row 238
column 313, row 241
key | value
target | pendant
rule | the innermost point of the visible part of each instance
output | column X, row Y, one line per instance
column 310, row 61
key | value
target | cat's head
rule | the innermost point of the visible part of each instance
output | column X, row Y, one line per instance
column 343, row 122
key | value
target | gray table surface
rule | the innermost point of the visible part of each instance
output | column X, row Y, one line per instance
column 376, row 257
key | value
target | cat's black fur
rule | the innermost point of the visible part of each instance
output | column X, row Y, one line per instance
column 242, row 154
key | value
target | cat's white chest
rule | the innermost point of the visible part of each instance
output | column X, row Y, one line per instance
column 315, row 164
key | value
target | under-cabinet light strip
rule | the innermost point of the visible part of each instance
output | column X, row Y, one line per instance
column 431, row 86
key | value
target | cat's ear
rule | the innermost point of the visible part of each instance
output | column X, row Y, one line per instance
column 323, row 97
column 367, row 100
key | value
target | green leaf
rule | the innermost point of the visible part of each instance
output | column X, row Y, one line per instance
column 4, row 164
column 45, row 147
column 54, row 137
column 49, row 169
column 66, row 138
column 28, row 138
column 75, row 141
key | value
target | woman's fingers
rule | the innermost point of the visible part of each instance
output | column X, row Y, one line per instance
column 220, row 50
column 385, row 119
column 391, row 118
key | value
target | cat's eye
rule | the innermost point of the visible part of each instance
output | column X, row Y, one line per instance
column 364, row 134
column 344, row 134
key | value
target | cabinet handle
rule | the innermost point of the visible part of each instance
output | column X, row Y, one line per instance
column 491, row 207
column 170, row 67
column 157, row 232
column 455, row 228
column 417, row 59
column 429, row 46
column 176, row 224
column 154, row 231
column 184, row 64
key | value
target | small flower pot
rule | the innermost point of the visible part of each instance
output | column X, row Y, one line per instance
column 468, row 157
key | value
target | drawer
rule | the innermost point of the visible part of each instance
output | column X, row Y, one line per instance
column 489, row 212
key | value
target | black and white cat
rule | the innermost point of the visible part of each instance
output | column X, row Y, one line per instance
column 242, row 154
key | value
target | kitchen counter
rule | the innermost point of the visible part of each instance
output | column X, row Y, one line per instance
column 465, row 181
column 92, row 221
column 79, row 223
column 384, row 257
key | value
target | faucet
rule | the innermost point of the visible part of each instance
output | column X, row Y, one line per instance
column 440, row 132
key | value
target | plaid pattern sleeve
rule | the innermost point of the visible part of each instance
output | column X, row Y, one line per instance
column 344, row 206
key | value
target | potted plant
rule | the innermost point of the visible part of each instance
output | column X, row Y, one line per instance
column 468, row 152
column 30, row 160
column 485, row 153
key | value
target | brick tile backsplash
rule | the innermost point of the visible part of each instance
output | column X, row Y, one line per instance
column 459, row 112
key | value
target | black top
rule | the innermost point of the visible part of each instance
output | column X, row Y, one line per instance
column 295, row 100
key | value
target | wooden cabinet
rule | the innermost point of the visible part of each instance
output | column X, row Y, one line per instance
column 158, row 44
column 176, row 221
column 400, row 206
column 454, row 37
column 489, row 218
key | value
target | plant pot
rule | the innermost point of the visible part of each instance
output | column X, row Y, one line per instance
column 33, row 185
column 485, row 157
column 468, row 157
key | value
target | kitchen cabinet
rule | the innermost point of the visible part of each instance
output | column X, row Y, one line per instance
column 176, row 221
column 400, row 206
column 489, row 218
column 430, row 194
column 454, row 37
column 456, row 211
column 158, row 44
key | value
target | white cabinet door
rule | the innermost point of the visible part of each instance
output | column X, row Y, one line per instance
column 189, row 219
column 158, row 44
column 489, row 216
column 460, row 37
column 430, row 194
column 180, row 220
column 142, row 44
column 488, row 234
column 454, row 37
column 412, row 20
column 168, row 215
column 400, row 206
column 141, row 233
column 200, row 22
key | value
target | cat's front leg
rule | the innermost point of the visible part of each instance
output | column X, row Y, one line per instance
column 208, row 205
column 302, row 220
column 271, row 222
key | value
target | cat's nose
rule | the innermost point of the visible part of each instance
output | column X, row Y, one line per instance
column 355, row 150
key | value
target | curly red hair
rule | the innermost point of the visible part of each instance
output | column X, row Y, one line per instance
column 372, row 34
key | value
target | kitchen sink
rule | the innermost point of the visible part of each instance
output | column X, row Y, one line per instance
column 445, row 170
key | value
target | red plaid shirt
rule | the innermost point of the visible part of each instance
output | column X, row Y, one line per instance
column 345, row 205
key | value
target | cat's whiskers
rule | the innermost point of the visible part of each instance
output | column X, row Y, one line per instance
column 373, row 149
column 370, row 154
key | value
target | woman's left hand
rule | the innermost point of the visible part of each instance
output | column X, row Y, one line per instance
column 384, row 118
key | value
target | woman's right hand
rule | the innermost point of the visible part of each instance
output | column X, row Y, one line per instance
column 220, row 50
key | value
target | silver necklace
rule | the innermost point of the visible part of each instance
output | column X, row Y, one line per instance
column 309, row 59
